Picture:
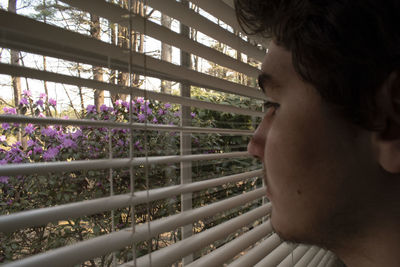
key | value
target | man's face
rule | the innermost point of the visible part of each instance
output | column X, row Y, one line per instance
column 319, row 167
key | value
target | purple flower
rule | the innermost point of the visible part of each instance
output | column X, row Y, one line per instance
column 118, row 102
column 9, row 202
column 137, row 145
column 139, row 100
column 120, row 142
column 149, row 110
column 50, row 132
column 23, row 101
column 141, row 117
column 69, row 143
column 155, row 120
column 37, row 150
column 4, row 179
column 161, row 112
column 5, row 126
column 29, row 129
column 50, row 153
column 103, row 108
column 42, row 95
column 10, row 110
column 39, row 102
column 167, row 105
column 27, row 93
column 52, row 102
column 91, row 108
column 3, row 138
column 30, row 142
column 17, row 159
column 125, row 104
column 192, row 114
column 76, row 134
column 177, row 114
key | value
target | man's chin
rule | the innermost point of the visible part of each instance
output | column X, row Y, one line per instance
column 288, row 233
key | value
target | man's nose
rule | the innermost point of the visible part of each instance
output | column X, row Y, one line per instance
column 256, row 145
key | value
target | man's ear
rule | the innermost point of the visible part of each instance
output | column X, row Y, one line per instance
column 387, row 140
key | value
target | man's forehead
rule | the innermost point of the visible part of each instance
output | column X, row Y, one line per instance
column 277, row 68
column 276, row 59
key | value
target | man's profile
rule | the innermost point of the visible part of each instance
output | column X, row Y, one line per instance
column 330, row 138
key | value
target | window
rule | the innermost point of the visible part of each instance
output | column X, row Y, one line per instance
column 130, row 109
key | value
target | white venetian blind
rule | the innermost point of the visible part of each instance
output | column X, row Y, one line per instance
column 169, row 182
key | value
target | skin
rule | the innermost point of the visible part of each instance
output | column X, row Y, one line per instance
column 324, row 175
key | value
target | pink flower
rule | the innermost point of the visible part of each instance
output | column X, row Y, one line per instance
column 23, row 101
column 10, row 110
column 52, row 102
column 39, row 102
column 141, row 117
column 27, row 93
column 42, row 95
column 118, row 102
column 41, row 115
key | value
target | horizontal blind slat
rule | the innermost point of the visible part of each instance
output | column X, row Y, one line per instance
column 168, row 255
column 121, row 125
column 317, row 258
column 226, row 252
column 295, row 256
column 196, row 21
column 98, row 246
column 54, row 41
column 20, row 71
column 308, row 256
column 117, row 14
column 258, row 252
column 37, row 217
column 227, row 14
column 276, row 256
column 30, row 168
column 324, row 259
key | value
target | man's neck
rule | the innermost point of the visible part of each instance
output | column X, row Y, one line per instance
column 379, row 247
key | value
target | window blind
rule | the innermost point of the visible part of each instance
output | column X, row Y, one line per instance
column 164, row 196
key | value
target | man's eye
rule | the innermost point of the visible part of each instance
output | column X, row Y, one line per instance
column 268, row 105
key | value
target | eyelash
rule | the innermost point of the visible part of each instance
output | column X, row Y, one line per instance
column 269, row 104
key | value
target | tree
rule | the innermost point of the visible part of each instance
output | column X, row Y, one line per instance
column 166, row 53
column 16, row 81
column 95, row 30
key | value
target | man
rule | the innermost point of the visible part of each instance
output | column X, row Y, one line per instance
column 330, row 138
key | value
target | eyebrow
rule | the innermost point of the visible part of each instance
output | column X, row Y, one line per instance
column 266, row 80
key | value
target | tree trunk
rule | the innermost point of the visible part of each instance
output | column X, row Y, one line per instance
column 16, row 81
column 97, row 71
column 166, row 53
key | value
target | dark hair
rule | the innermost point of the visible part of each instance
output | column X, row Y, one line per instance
column 345, row 48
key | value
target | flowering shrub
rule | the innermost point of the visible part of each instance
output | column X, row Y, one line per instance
column 50, row 143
